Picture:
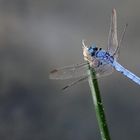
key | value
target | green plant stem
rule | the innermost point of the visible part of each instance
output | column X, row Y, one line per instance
column 98, row 105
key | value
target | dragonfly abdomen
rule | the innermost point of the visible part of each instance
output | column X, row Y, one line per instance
column 126, row 72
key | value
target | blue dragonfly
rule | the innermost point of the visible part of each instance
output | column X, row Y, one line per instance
column 102, row 61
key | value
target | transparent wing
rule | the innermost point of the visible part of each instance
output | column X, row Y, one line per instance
column 75, row 82
column 68, row 72
column 79, row 70
column 112, row 37
column 117, row 52
column 104, row 70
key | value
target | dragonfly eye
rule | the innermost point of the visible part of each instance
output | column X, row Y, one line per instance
column 92, row 49
column 95, row 49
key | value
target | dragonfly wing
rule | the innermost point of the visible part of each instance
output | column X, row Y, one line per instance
column 112, row 37
column 75, row 82
column 101, row 71
column 104, row 70
column 79, row 71
column 69, row 72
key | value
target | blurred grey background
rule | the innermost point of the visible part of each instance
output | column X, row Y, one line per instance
column 37, row 36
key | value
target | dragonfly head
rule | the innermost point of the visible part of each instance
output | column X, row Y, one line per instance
column 89, row 52
column 92, row 50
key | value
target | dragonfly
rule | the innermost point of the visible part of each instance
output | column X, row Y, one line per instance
column 103, row 62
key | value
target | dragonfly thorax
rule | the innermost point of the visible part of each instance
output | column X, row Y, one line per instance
column 104, row 56
column 100, row 54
